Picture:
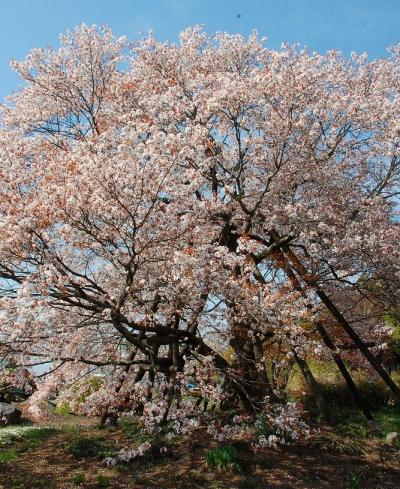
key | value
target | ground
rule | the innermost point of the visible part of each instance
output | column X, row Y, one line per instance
column 55, row 453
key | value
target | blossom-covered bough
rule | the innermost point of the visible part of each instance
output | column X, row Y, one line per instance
column 203, row 213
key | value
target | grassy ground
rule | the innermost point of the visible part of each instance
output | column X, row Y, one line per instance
column 69, row 452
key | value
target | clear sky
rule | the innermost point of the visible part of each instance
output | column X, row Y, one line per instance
column 350, row 25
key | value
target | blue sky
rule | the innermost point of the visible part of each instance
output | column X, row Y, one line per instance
column 352, row 25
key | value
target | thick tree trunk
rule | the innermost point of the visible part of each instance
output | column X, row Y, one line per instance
column 248, row 367
column 262, row 376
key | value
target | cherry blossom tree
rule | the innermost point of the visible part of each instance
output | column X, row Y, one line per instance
column 162, row 205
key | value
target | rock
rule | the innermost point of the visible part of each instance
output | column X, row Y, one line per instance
column 392, row 437
column 9, row 414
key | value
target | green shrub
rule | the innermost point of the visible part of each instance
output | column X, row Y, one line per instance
column 102, row 481
column 353, row 481
column 8, row 455
column 40, row 434
column 353, row 425
column 78, row 479
column 43, row 484
column 224, row 457
column 87, row 448
column 388, row 419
